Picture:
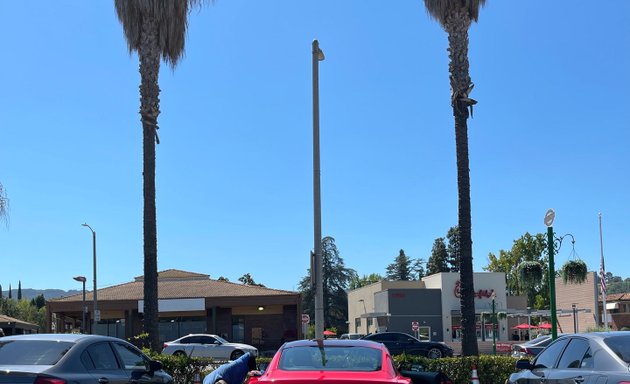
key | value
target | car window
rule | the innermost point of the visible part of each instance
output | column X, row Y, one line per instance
column 206, row 340
column 100, row 356
column 378, row 337
column 131, row 358
column 574, row 353
column 620, row 345
column 548, row 357
column 337, row 358
column 32, row 352
column 190, row 340
column 402, row 338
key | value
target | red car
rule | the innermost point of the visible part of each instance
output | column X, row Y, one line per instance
column 331, row 361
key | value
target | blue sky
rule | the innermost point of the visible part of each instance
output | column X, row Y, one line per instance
column 234, row 167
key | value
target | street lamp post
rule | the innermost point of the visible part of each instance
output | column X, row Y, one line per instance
column 549, row 217
column 96, row 314
column 83, row 307
column 318, row 56
column 494, row 337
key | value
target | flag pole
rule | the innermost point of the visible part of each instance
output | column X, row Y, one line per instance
column 602, row 275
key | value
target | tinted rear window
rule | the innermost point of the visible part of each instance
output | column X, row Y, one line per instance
column 32, row 352
column 342, row 358
column 620, row 345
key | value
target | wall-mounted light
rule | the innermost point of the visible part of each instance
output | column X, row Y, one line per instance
column 261, row 308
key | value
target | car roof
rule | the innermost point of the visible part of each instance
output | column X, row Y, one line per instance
column 333, row 343
column 68, row 337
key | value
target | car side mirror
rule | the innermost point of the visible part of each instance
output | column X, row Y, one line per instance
column 524, row 364
column 155, row 365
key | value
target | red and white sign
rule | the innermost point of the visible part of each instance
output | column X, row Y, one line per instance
column 415, row 326
column 306, row 318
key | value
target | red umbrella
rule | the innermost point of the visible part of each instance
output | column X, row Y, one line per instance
column 525, row 326
column 329, row 333
column 545, row 326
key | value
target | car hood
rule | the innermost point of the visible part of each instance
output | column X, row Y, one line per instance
column 240, row 346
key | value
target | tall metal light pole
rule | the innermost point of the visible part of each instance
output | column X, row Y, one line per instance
column 83, row 307
column 549, row 217
column 494, row 326
column 318, row 56
column 96, row 314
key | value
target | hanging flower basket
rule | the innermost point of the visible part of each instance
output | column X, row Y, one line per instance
column 574, row 271
column 502, row 315
column 531, row 272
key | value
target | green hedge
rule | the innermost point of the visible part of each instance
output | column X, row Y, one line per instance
column 490, row 369
column 183, row 368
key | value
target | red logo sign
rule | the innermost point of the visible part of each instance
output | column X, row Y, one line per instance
column 480, row 294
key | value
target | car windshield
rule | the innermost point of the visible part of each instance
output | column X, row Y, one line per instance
column 337, row 358
column 537, row 340
column 620, row 345
column 220, row 339
column 32, row 352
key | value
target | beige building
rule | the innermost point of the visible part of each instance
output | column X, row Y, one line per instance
column 187, row 303
column 577, row 305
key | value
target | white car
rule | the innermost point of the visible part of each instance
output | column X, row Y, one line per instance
column 212, row 346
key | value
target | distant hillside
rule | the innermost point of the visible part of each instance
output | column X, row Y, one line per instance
column 29, row 293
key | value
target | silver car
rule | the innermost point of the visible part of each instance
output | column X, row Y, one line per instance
column 598, row 357
column 76, row 359
column 212, row 346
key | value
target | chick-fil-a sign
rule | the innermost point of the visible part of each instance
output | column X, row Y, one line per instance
column 480, row 294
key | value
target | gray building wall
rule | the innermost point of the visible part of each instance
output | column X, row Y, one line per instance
column 408, row 305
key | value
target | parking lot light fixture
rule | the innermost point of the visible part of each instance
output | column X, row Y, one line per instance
column 95, row 309
column 82, row 279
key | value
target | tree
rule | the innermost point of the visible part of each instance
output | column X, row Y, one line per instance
column 222, row 278
column 400, row 269
column 154, row 29
column 0, row 291
column 10, row 294
column 439, row 257
column 247, row 279
column 358, row 282
column 455, row 16
column 418, row 268
column 19, row 293
column 4, row 205
column 526, row 248
column 336, row 279
column 452, row 249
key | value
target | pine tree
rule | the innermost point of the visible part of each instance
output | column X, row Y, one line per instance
column 10, row 295
column 452, row 249
column 400, row 269
column 438, row 261
column 19, row 297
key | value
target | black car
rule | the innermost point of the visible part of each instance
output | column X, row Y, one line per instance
column 399, row 342
column 76, row 359
column 598, row 357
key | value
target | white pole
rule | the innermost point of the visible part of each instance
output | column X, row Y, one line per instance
column 602, row 275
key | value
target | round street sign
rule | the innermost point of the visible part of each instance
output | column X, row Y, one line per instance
column 415, row 326
column 305, row 318
column 549, row 216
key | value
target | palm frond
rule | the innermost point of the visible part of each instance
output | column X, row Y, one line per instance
column 172, row 19
column 439, row 9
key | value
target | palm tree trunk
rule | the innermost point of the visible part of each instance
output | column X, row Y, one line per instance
column 149, row 55
column 456, row 25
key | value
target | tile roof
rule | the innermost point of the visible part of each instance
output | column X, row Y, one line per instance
column 616, row 297
column 9, row 319
column 172, row 284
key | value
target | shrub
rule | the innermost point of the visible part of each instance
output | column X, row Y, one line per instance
column 490, row 369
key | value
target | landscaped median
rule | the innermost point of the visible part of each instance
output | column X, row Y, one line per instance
column 490, row 369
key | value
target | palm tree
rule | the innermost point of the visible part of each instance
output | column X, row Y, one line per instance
column 155, row 29
column 455, row 16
